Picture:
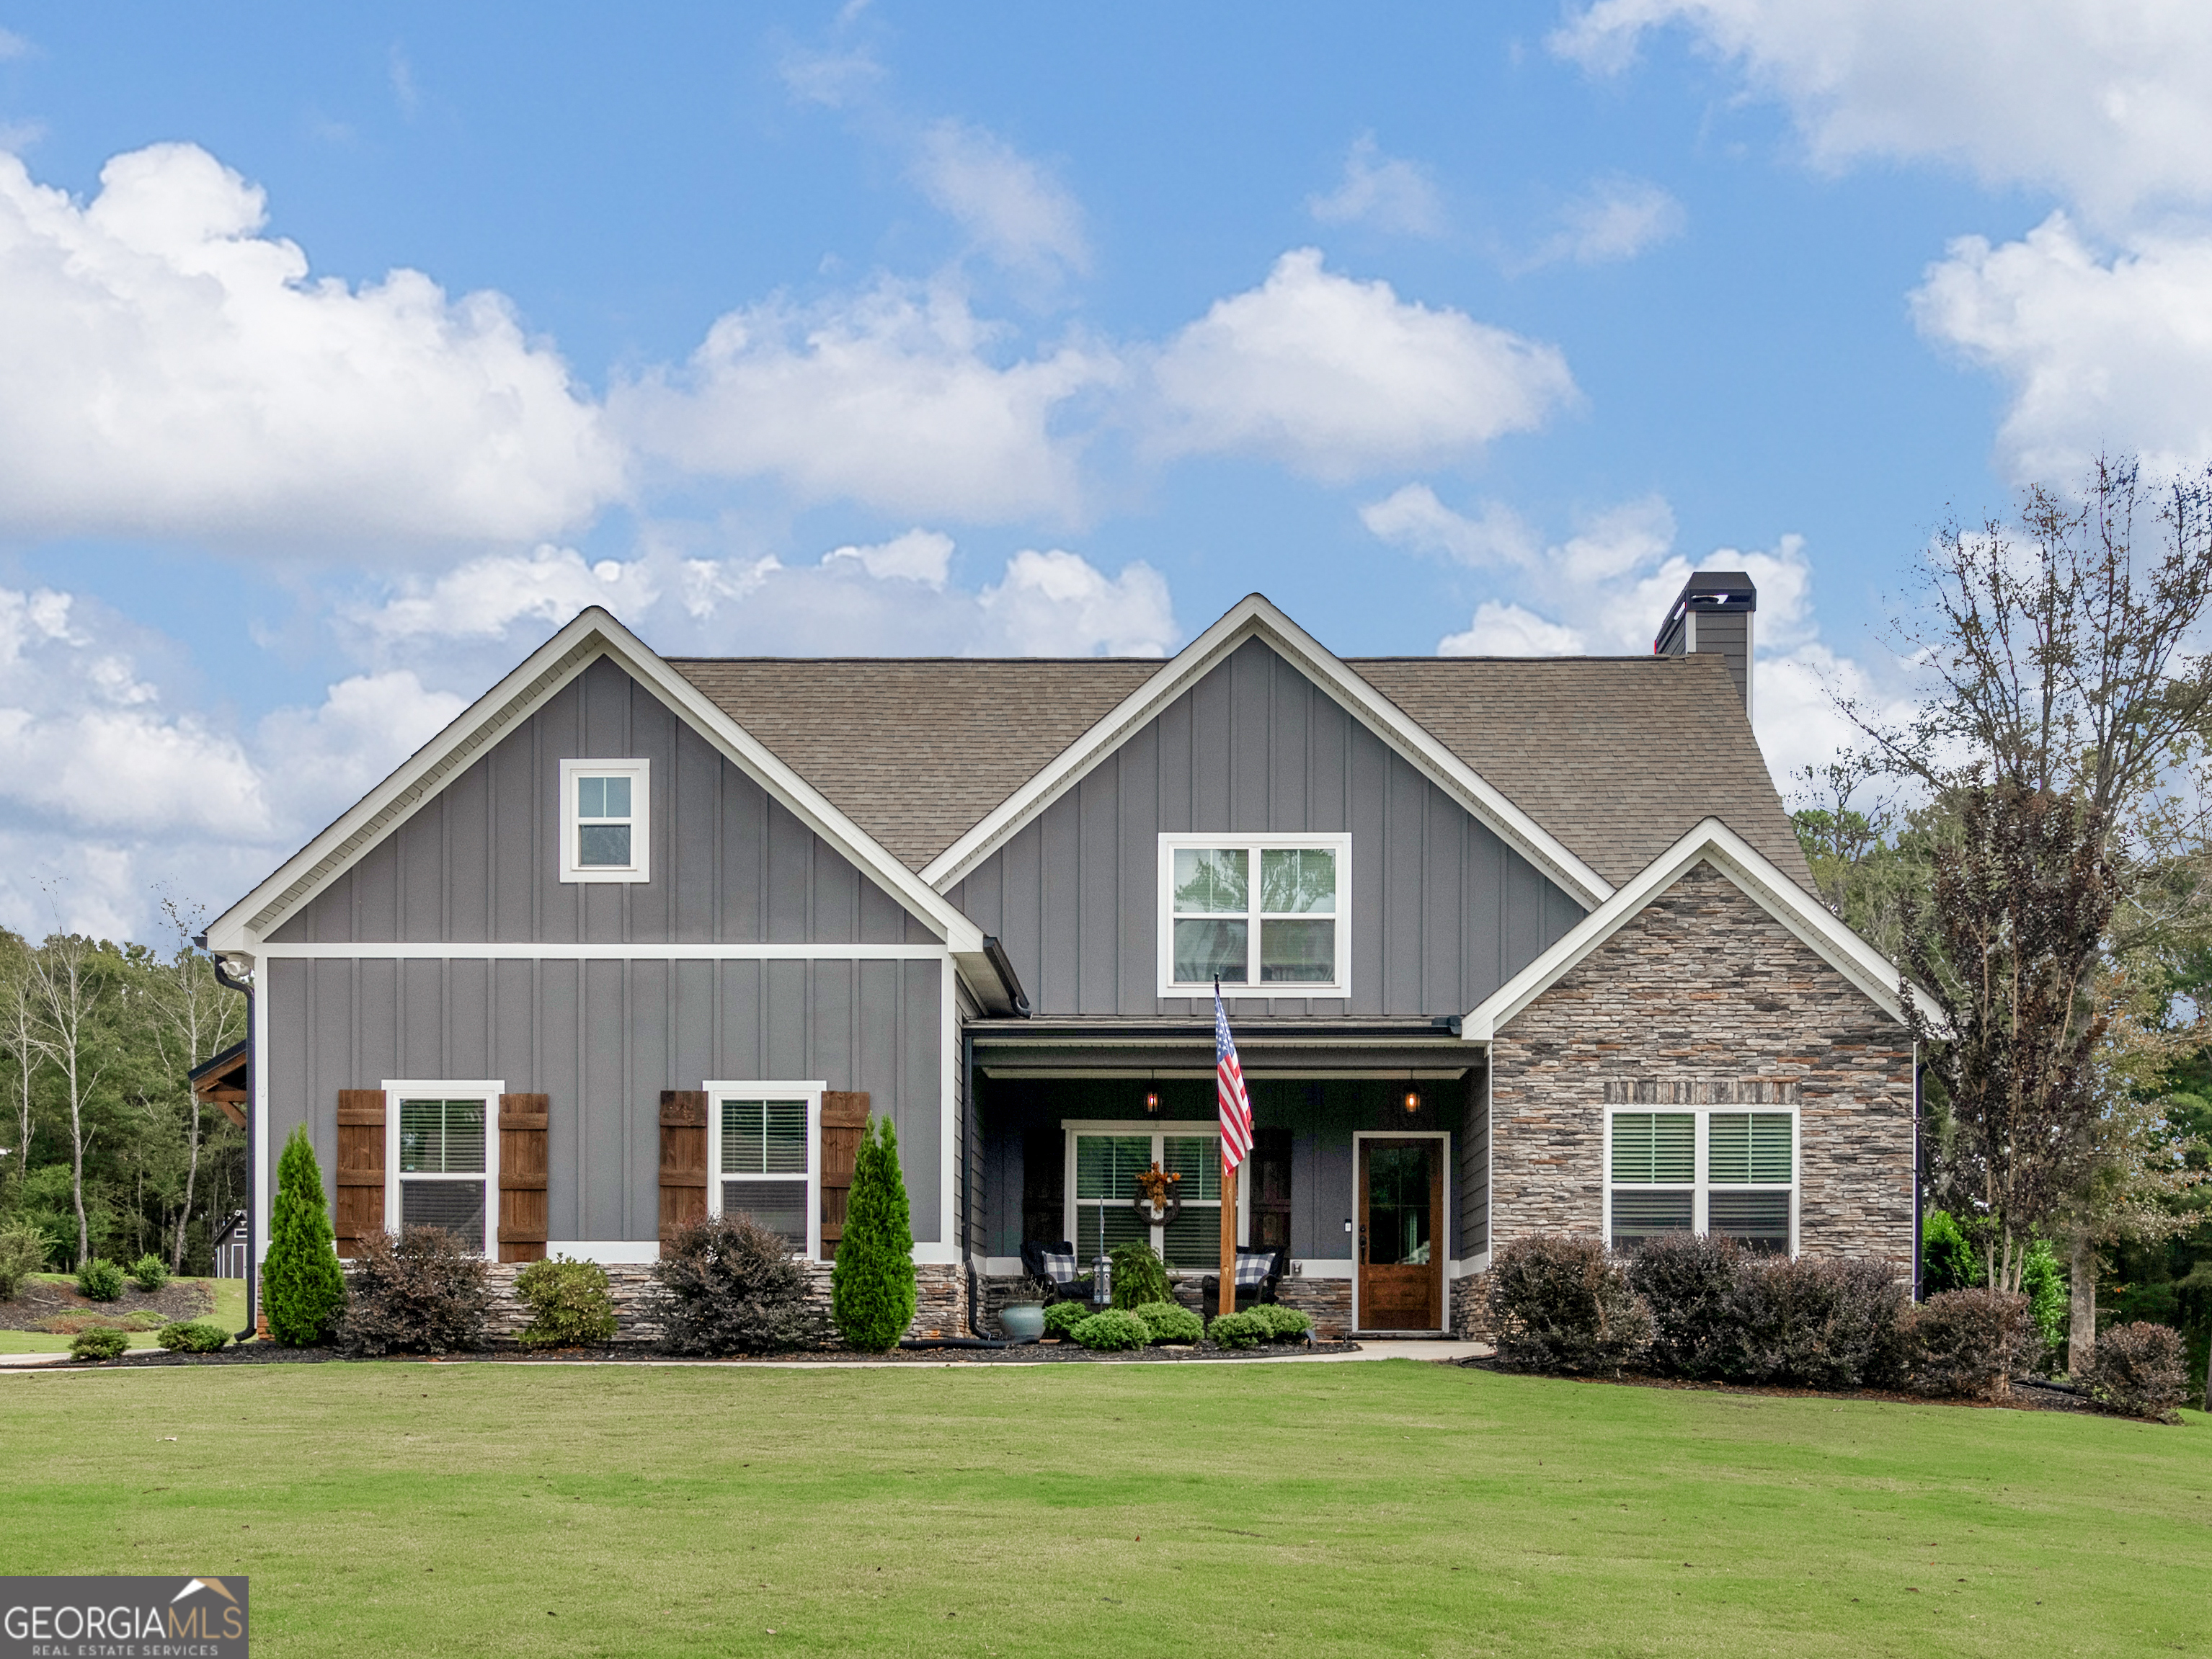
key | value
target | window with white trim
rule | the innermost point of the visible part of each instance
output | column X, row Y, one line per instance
column 1704, row 1170
column 762, row 1141
column 606, row 828
column 1104, row 1163
column 1268, row 914
column 442, row 1151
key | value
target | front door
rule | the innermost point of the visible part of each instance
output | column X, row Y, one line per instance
column 1401, row 1223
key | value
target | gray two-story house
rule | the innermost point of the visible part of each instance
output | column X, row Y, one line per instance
column 1508, row 946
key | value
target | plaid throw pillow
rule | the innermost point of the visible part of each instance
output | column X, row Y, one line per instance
column 1058, row 1268
column 1253, row 1267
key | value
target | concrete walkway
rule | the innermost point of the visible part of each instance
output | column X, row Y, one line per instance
column 1433, row 1352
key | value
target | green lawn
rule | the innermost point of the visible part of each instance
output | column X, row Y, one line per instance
column 230, row 1313
column 1105, row 1511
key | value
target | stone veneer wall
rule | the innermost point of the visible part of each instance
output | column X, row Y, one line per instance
column 1704, row 999
column 940, row 1301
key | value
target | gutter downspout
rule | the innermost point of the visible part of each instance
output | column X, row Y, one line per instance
column 253, row 1128
column 1919, row 1180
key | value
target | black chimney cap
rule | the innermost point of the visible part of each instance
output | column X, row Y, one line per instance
column 1710, row 590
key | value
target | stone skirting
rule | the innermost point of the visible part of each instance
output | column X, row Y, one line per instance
column 1470, row 1320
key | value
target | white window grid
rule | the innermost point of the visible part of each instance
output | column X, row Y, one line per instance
column 488, row 1092
column 1075, row 1210
column 1252, row 985
column 1701, row 1186
column 640, row 774
column 779, row 1088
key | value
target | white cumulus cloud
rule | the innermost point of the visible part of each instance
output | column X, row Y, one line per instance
column 1339, row 379
column 484, row 598
column 1386, row 191
column 171, row 371
column 1510, row 630
column 919, row 555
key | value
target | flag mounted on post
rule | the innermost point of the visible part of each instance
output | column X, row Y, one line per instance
column 1235, row 1141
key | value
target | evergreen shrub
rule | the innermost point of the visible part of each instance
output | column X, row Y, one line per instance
column 1171, row 1322
column 192, row 1336
column 1282, row 1324
column 2138, row 1370
column 1815, row 1322
column 1969, row 1342
column 1112, row 1330
column 1139, row 1276
column 149, row 1273
column 99, row 1343
column 727, row 1284
column 1564, row 1305
column 1062, row 1317
column 99, row 1280
column 22, row 1253
column 2042, row 1280
column 569, row 1303
column 1238, row 1330
column 871, row 1294
column 1688, row 1280
column 303, row 1289
column 1947, row 1261
column 422, row 1291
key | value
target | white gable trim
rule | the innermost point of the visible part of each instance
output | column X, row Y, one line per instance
column 591, row 635
column 1712, row 842
column 1254, row 617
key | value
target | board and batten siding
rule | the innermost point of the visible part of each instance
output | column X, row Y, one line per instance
column 1442, row 910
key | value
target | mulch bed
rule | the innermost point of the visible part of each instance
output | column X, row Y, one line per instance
column 2028, row 1393
column 41, row 1299
column 1034, row 1353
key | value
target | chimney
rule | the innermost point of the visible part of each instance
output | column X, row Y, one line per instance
column 1713, row 614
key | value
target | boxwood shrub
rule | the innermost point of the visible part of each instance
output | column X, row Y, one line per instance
column 97, row 1344
column 1171, row 1322
column 1062, row 1317
column 1238, row 1330
column 569, row 1303
column 149, row 1273
column 1112, row 1330
column 1282, row 1324
column 192, row 1336
column 99, row 1280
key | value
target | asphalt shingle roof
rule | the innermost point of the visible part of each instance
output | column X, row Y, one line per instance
column 1616, row 756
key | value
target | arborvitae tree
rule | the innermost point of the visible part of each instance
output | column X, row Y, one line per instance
column 872, row 1282
column 303, row 1287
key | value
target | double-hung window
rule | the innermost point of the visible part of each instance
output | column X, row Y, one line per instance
column 441, row 1158
column 606, row 828
column 1269, row 914
column 1703, row 1171
column 1105, row 1159
column 762, row 1141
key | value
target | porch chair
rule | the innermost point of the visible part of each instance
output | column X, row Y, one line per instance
column 1055, row 1265
column 1257, row 1273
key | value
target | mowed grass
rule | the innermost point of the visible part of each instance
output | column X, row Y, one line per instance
column 230, row 1313
column 1390, row 1508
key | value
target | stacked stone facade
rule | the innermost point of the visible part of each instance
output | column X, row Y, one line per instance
column 940, row 1301
column 1703, row 997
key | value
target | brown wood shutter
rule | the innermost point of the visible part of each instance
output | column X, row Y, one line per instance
column 522, row 1177
column 360, row 1167
column 844, row 1120
column 682, row 1160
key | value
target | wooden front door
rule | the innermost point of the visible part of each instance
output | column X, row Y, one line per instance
column 1401, row 1225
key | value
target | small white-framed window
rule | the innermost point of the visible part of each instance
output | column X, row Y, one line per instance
column 765, row 1158
column 1103, row 1162
column 606, row 820
column 1270, row 915
column 1705, row 1170
column 441, row 1158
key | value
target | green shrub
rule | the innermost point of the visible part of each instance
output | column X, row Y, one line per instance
column 192, row 1336
column 569, row 1303
column 423, row 1291
column 303, row 1289
column 1062, row 1317
column 1139, row 1276
column 22, row 1253
column 871, row 1293
column 149, row 1273
column 2043, row 1280
column 1282, row 1324
column 99, row 1280
column 1969, row 1342
column 1948, row 1258
column 730, row 1285
column 1112, row 1330
column 2137, row 1370
column 101, row 1343
column 1688, row 1280
column 1238, row 1330
column 1564, row 1305
column 1171, row 1322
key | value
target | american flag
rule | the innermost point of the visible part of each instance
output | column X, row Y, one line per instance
column 1228, row 1086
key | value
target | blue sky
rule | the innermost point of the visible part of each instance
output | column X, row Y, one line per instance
column 343, row 357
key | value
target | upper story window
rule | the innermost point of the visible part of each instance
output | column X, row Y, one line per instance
column 606, row 830
column 1703, row 1171
column 1268, row 914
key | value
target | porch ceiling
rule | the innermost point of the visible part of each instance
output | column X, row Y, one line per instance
column 1104, row 1047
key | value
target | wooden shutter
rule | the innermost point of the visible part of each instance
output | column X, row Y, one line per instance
column 844, row 1120
column 360, row 1167
column 522, row 1177
column 682, row 1160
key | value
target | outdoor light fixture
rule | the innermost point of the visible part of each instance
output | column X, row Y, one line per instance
column 1152, row 1096
column 1412, row 1100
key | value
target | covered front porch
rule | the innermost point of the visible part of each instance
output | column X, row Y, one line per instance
column 1368, row 1179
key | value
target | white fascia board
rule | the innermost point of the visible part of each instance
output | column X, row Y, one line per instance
column 1753, row 872
column 1256, row 616
column 592, row 633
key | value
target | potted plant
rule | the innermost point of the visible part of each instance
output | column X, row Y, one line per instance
column 1022, row 1318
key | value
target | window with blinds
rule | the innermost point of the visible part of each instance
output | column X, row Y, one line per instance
column 1704, row 1170
column 442, row 1164
column 764, row 1164
column 1104, row 1192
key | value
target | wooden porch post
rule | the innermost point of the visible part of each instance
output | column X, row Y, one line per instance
column 1228, row 1233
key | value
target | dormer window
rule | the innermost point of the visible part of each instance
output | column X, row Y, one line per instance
column 1268, row 914
column 606, row 820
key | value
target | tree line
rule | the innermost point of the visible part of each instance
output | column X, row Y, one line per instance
column 106, row 1151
